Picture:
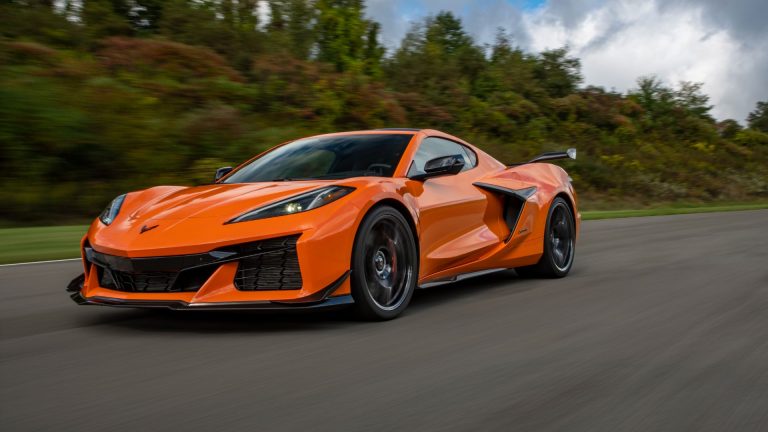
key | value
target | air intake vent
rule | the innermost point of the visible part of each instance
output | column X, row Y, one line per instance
column 274, row 266
column 177, row 273
column 144, row 282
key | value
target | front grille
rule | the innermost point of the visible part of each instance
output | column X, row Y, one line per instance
column 183, row 281
column 174, row 273
column 275, row 266
column 145, row 282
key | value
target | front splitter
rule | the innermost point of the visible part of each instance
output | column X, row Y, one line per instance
column 182, row 305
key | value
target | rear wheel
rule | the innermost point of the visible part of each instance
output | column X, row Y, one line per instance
column 559, row 244
column 385, row 265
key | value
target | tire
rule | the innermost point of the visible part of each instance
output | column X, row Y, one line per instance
column 559, row 244
column 385, row 265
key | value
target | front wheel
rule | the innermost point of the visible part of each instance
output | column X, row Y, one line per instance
column 385, row 265
column 559, row 244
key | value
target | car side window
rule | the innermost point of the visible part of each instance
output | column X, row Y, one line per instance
column 433, row 147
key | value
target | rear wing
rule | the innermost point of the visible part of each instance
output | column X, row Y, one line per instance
column 568, row 154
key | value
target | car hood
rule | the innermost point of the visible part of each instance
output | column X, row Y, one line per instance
column 176, row 220
column 224, row 201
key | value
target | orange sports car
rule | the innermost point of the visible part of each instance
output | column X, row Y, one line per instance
column 360, row 218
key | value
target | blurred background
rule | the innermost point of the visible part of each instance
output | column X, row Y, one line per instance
column 100, row 97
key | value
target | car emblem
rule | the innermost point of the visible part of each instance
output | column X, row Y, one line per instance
column 146, row 228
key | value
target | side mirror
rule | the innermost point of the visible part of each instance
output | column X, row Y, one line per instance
column 444, row 165
column 221, row 172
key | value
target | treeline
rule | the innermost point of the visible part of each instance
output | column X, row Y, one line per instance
column 98, row 97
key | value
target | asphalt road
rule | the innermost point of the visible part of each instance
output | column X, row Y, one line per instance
column 661, row 326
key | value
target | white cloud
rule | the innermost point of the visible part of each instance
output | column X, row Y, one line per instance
column 621, row 40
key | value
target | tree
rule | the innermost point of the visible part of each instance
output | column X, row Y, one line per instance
column 147, row 13
column 559, row 74
column 194, row 24
column 690, row 97
column 446, row 30
column 343, row 34
column 301, row 20
column 728, row 128
column 230, row 29
column 758, row 119
column 653, row 96
column 509, row 70
column 104, row 18
column 373, row 52
column 291, row 27
column 39, row 22
column 435, row 55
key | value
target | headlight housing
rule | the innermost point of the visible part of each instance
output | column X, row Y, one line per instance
column 296, row 204
column 108, row 215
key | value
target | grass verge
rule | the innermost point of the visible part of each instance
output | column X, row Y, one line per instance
column 613, row 214
column 40, row 243
column 60, row 242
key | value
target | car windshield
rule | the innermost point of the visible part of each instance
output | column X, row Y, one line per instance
column 332, row 157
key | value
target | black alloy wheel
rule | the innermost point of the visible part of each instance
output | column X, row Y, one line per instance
column 559, row 244
column 384, row 265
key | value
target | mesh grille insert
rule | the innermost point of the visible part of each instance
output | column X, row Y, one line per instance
column 275, row 267
column 145, row 282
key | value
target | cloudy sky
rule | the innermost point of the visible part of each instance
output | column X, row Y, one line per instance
column 723, row 43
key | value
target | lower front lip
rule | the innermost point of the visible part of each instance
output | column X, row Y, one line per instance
column 320, row 299
column 337, row 301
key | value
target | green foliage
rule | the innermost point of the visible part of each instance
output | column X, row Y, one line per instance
column 105, row 18
column 434, row 70
column 729, row 128
column 344, row 37
column 558, row 73
column 291, row 27
column 758, row 119
column 105, row 96
column 751, row 138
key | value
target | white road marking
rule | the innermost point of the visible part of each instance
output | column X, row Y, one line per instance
column 40, row 262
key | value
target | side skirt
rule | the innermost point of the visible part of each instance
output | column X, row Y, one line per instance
column 459, row 277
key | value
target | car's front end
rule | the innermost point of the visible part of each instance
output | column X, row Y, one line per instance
column 204, row 257
column 277, row 232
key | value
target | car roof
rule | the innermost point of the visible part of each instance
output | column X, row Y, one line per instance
column 399, row 129
column 408, row 131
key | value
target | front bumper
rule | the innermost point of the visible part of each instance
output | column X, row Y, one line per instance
column 274, row 273
column 321, row 299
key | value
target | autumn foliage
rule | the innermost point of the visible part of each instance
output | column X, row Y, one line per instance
column 101, row 97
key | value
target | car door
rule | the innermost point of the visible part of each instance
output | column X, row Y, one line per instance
column 451, row 210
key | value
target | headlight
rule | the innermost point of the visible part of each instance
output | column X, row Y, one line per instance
column 297, row 204
column 108, row 215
